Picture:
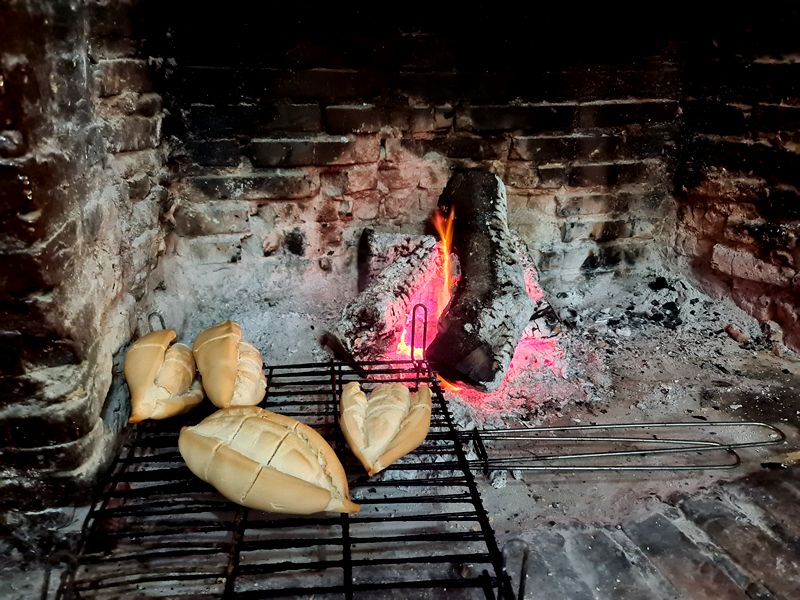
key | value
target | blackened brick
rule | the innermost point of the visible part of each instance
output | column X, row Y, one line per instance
column 781, row 204
column 216, row 153
column 217, row 84
column 603, row 259
column 710, row 116
column 604, row 231
column 329, row 84
column 776, row 499
column 601, row 82
column 775, row 117
column 544, row 148
column 26, row 271
column 609, row 174
column 621, row 113
column 504, row 117
column 207, row 120
column 355, row 118
column 148, row 105
column 55, row 423
column 122, row 74
column 521, row 174
column 66, row 456
column 318, row 150
column 460, row 146
column 278, row 183
column 431, row 86
column 552, row 175
column 568, row 205
column 133, row 133
column 690, row 570
column 773, row 164
column 26, row 352
column 769, row 560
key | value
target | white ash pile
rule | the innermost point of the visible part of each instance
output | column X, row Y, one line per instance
column 661, row 300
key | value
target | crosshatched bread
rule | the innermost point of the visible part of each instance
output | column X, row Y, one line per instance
column 161, row 377
column 266, row 461
column 385, row 426
column 231, row 369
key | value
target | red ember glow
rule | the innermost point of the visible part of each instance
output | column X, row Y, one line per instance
column 533, row 358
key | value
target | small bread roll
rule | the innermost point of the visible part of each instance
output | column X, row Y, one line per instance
column 266, row 461
column 160, row 377
column 386, row 426
column 231, row 369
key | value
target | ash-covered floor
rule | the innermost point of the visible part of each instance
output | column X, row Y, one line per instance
column 664, row 352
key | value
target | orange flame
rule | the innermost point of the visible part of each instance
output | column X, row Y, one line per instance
column 447, row 386
column 444, row 227
column 436, row 302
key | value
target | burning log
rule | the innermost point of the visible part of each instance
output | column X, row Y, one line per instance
column 378, row 249
column 483, row 324
column 373, row 321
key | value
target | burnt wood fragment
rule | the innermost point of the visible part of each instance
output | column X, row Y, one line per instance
column 483, row 324
column 374, row 319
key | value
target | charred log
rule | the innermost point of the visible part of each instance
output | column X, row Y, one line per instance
column 378, row 249
column 483, row 324
column 373, row 320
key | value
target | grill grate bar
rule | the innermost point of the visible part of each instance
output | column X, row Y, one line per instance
column 422, row 518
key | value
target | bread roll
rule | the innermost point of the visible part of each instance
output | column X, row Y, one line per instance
column 266, row 461
column 386, row 426
column 231, row 369
column 160, row 377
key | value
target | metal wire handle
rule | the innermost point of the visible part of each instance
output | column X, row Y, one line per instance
column 675, row 446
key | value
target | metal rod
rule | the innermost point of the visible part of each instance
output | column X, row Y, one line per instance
column 414, row 329
column 533, row 435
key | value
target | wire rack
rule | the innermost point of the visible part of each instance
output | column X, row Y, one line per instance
column 157, row 531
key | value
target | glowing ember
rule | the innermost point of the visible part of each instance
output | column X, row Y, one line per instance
column 535, row 358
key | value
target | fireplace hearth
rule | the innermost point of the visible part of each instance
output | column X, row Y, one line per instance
column 601, row 221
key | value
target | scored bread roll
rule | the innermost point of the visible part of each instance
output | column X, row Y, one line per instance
column 230, row 368
column 161, row 377
column 266, row 461
column 386, row 426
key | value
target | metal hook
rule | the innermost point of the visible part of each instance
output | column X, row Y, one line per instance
column 414, row 329
column 157, row 315
column 417, row 363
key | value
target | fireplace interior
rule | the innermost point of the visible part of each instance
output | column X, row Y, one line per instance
column 312, row 175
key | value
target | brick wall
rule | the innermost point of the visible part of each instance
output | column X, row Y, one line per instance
column 292, row 135
column 739, row 219
column 80, row 199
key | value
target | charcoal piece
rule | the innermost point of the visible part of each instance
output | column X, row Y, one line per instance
column 483, row 324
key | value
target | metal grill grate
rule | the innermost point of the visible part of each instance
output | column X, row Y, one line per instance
column 158, row 531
